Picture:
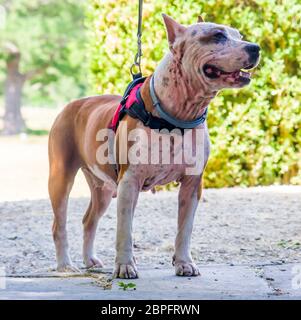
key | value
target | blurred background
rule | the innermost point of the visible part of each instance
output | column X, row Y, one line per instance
column 54, row 51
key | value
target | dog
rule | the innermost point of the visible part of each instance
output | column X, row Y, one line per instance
column 203, row 58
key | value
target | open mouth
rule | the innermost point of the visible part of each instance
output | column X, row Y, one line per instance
column 241, row 75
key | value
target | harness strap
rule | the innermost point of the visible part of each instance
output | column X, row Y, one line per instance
column 137, row 110
column 119, row 113
column 133, row 105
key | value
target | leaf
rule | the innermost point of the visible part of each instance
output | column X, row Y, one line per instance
column 126, row 286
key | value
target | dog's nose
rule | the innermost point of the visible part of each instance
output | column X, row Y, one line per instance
column 253, row 50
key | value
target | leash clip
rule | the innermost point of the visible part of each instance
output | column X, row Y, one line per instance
column 139, row 73
column 137, row 61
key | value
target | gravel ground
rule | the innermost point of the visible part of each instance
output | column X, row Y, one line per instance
column 232, row 226
column 260, row 225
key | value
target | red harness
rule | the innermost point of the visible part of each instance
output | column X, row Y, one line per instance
column 127, row 104
column 133, row 105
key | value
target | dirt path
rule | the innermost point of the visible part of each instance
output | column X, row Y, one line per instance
column 232, row 226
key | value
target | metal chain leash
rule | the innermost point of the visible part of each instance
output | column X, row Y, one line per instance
column 137, row 61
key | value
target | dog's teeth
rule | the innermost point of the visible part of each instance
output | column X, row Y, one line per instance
column 244, row 74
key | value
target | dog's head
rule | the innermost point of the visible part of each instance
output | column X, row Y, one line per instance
column 213, row 54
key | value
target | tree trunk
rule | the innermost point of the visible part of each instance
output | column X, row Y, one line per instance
column 13, row 121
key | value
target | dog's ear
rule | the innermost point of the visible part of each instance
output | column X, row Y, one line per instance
column 200, row 19
column 173, row 28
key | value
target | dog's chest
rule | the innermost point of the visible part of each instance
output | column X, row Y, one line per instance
column 152, row 175
column 158, row 158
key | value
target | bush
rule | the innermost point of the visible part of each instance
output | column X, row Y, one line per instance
column 255, row 132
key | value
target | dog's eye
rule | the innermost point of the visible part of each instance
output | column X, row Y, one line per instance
column 220, row 36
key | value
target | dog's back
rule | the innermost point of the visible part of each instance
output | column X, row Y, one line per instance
column 84, row 115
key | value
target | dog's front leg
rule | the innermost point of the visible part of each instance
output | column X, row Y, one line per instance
column 127, row 196
column 188, row 200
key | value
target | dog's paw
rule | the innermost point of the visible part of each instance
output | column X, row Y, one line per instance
column 93, row 262
column 126, row 271
column 188, row 269
column 68, row 268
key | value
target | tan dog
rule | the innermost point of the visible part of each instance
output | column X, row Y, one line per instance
column 203, row 59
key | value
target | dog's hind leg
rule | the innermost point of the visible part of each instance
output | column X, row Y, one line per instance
column 100, row 199
column 63, row 168
column 60, row 184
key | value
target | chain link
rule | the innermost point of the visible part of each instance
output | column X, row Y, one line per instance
column 137, row 61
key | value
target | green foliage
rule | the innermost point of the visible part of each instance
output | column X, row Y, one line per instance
column 37, row 132
column 50, row 38
column 255, row 132
column 126, row 286
column 289, row 244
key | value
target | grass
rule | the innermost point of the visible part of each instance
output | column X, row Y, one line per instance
column 289, row 244
column 36, row 132
column 126, row 286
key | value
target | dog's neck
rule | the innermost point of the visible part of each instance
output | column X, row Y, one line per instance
column 178, row 95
